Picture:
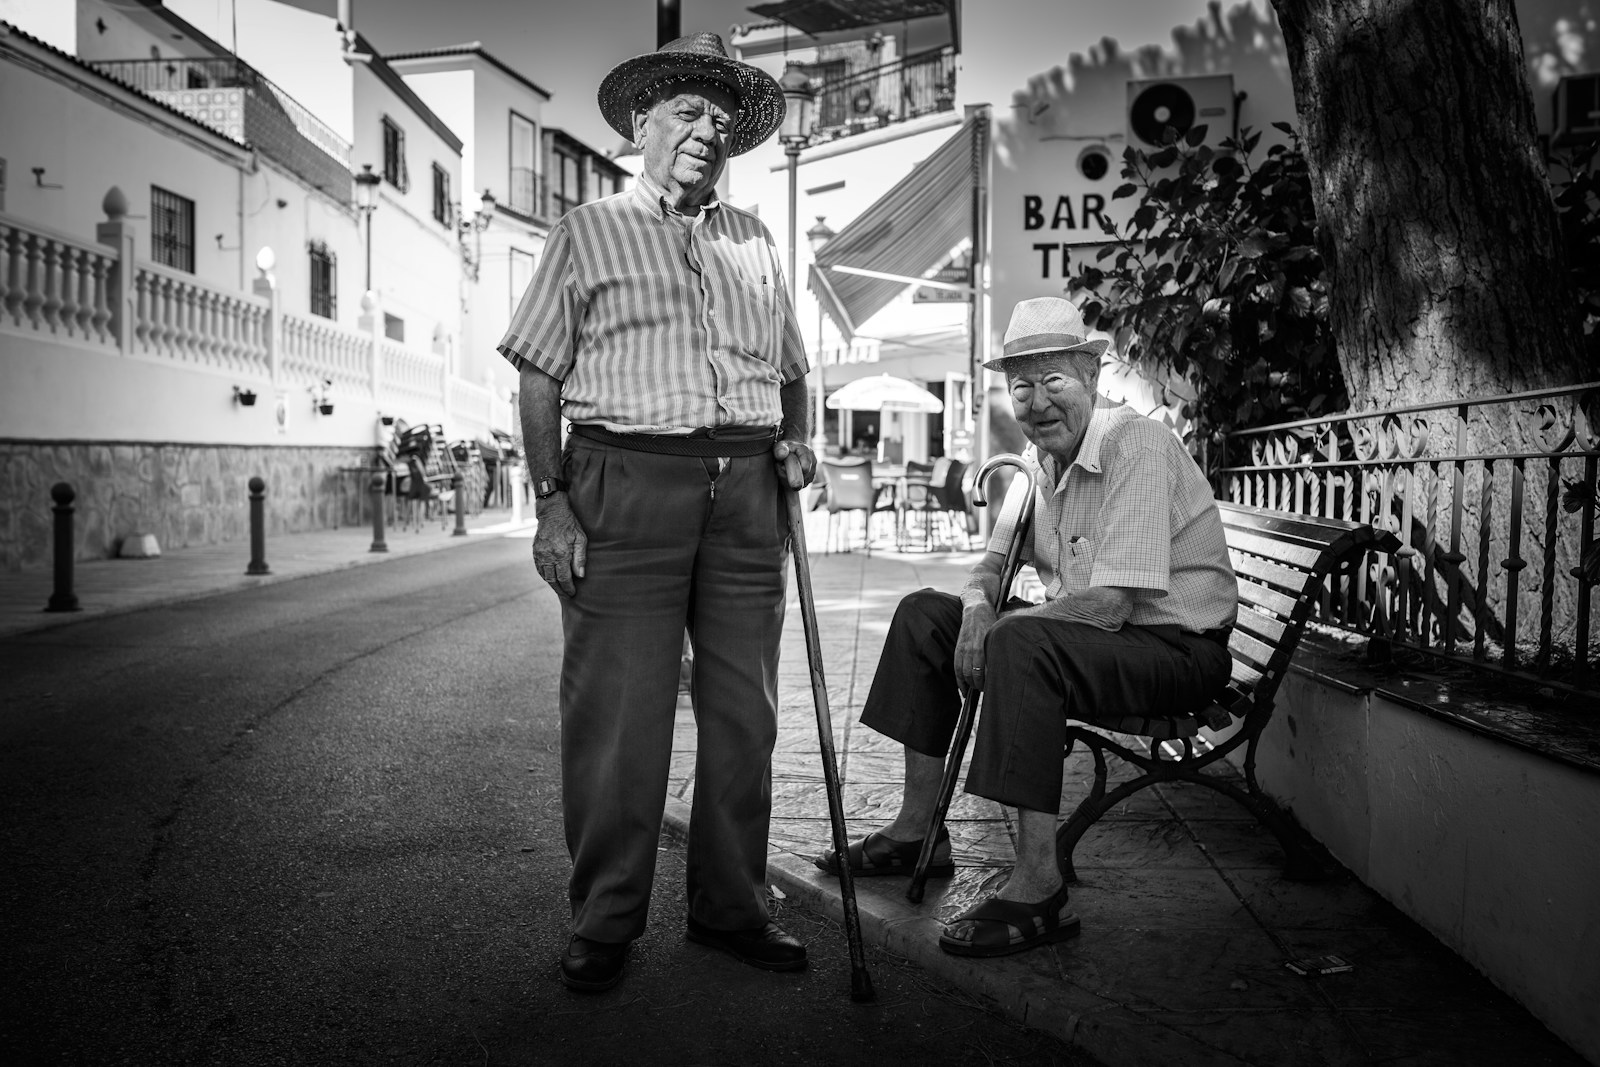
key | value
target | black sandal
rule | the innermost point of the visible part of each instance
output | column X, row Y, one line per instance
column 876, row 855
column 1001, row 927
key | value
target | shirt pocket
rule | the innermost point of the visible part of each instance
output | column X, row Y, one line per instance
column 1077, row 564
column 757, row 319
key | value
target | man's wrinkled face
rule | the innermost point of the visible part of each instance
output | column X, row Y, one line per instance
column 684, row 138
column 1052, row 398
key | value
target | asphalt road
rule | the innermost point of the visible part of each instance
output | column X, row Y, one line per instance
column 319, row 823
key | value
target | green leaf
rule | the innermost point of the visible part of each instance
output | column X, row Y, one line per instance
column 1195, row 135
column 1124, row 190
column 1284, row 127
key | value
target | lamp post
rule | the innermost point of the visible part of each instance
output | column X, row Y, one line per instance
column 817, row 236
column 794, row 133
column 477, row 224
column 367, row 201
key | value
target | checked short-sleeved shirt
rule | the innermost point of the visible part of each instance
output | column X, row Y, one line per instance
column 658, row 322
column 1132, row 510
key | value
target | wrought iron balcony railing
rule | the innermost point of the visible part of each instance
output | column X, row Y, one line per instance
column 165, row 77
column 1499, row 556
column 880, row 96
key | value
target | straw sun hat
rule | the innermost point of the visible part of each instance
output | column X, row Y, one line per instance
column 698, row 56
column 1045, row 324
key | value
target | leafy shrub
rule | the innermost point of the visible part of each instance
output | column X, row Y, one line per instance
column 1218, row 279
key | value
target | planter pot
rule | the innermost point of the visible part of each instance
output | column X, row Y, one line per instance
column 326, row 409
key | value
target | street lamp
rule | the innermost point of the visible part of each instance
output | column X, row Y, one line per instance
column 794, row 133
column 817, row 236
column 367, row 201
column 477, row 224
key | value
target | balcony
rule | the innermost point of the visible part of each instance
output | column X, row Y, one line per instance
column 236, row 100
column 881, row 96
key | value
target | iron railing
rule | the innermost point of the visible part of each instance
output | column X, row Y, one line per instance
column 1494, row 502
column 164, row 76
column 895, row 92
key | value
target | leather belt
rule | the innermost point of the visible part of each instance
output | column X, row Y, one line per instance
column 721, row 441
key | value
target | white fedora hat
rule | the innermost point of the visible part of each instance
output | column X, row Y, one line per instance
column 1045, row 324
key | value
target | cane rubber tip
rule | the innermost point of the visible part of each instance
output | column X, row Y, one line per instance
column 914, row 894
column 861, row 988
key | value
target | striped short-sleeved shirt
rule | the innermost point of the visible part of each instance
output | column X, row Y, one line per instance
column 1132, row 510
column 656, row 322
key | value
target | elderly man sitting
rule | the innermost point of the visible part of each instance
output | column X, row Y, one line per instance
column 1140, row 598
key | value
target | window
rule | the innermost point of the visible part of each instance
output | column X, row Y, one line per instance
column 394, row 327
column 324, row 281
column 521, row 274
column 394, row 156
column 441, row 195
column 568, row 191
column 171, row 229
column 524, row 194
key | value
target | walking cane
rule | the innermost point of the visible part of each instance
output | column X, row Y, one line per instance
column 969, row 701
column 860, row 980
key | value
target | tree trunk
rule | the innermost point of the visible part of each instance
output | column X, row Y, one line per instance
column 1432, row 201
column 1447, row 278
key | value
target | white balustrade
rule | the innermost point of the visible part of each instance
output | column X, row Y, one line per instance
column 315, row 350
column 54, row 284
column 413, row 382
column 177, row 318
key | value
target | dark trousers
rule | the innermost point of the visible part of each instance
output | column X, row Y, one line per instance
column 1038, row 673
column 674, row 542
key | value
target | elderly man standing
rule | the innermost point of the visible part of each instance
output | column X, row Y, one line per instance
column 1140, row 598
column 658, row 324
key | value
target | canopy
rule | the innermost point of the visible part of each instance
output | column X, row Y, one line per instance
column 884, row 392
column 907, row 233
column 821, row 16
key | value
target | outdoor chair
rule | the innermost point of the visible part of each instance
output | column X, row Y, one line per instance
column 849, row 489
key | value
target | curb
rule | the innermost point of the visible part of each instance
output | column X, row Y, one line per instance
column 245, row 582
column 1112, row 1033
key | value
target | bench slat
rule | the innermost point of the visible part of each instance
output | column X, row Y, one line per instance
column 1290, row 581
column 1263, row 627
column 1310, row 528
column 1258, row 654
column 1301, row 557
column 1264, row 597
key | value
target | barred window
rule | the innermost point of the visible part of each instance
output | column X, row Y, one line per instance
column 568, row 191
column 171, row 229
column 441, row 195
column 394, row 327
column 522, row 264
column 394, row 156
column 324, row 281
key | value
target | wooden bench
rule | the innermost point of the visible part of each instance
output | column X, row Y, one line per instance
column 1281, row 561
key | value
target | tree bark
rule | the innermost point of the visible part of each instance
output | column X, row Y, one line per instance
column 1434, row 209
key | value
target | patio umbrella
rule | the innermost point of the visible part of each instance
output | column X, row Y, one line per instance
column 884, row 392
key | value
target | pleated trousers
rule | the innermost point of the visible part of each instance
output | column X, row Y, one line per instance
column 674, row 542
column 1038, row 673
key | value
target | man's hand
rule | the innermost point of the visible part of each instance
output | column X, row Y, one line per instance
column 976, row 622
column 560, row 547
column 797, row 464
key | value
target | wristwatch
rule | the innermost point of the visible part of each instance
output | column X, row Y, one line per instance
column 544, row 487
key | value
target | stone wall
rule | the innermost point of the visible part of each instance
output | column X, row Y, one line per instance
column 185, row 494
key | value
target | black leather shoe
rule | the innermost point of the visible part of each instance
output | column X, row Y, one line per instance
column 592, row 966
column 768, row 947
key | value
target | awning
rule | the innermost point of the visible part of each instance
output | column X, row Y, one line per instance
column 907, row 233
column 822, row 16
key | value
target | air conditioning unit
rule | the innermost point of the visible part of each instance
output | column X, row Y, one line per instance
column 1577, row 102
column 1182, row 103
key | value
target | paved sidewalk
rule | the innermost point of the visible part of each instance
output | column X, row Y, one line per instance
column 1186, row 919
column 113, row 586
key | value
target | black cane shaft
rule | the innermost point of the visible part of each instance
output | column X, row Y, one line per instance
column 969, row 714
column 860, row 979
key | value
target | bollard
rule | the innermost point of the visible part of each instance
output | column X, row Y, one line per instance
column 63, row 599
column 378, row 543
column 458, row 486
column 258, row 527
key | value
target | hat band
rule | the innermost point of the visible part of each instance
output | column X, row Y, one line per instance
column 1043, row 342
